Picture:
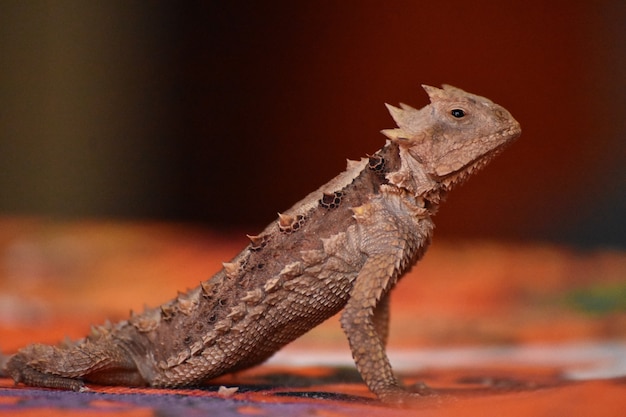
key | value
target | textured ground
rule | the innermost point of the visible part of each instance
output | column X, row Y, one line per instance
column 489, row 328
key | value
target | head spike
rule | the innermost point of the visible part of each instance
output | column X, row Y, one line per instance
column 393, row 134
column 405, row 106
column 396, row 112
column 453, row 89
column 410, row 120
column 433, row 92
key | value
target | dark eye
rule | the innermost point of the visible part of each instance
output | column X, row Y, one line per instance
column 458, row 113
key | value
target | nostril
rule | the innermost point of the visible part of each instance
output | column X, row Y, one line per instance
column 501, row 114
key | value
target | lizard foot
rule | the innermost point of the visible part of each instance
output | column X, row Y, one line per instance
column 401, row 397
column 395, row 395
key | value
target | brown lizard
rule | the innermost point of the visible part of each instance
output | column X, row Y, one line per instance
column 343, row 246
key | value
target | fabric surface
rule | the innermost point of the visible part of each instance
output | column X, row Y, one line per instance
column 479, row 328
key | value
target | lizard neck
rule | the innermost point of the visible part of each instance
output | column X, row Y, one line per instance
column 411, row 175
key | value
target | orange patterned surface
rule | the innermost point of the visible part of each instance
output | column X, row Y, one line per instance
column 491, row 329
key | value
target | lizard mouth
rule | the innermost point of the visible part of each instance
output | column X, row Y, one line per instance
column 460, row 175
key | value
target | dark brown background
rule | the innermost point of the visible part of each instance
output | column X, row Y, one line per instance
column 226, row 112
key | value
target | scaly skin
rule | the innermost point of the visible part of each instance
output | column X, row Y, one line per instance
column 344, row 246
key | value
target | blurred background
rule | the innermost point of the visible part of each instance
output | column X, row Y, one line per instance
column 223, row 113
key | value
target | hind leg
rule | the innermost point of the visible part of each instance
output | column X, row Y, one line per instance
column 69, row 368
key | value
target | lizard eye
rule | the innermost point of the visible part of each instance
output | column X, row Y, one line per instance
column 458, row 113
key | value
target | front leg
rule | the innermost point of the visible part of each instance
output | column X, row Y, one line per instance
column 381, row 319
column 363, row 327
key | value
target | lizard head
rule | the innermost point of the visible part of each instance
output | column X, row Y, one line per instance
column 455, row 134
